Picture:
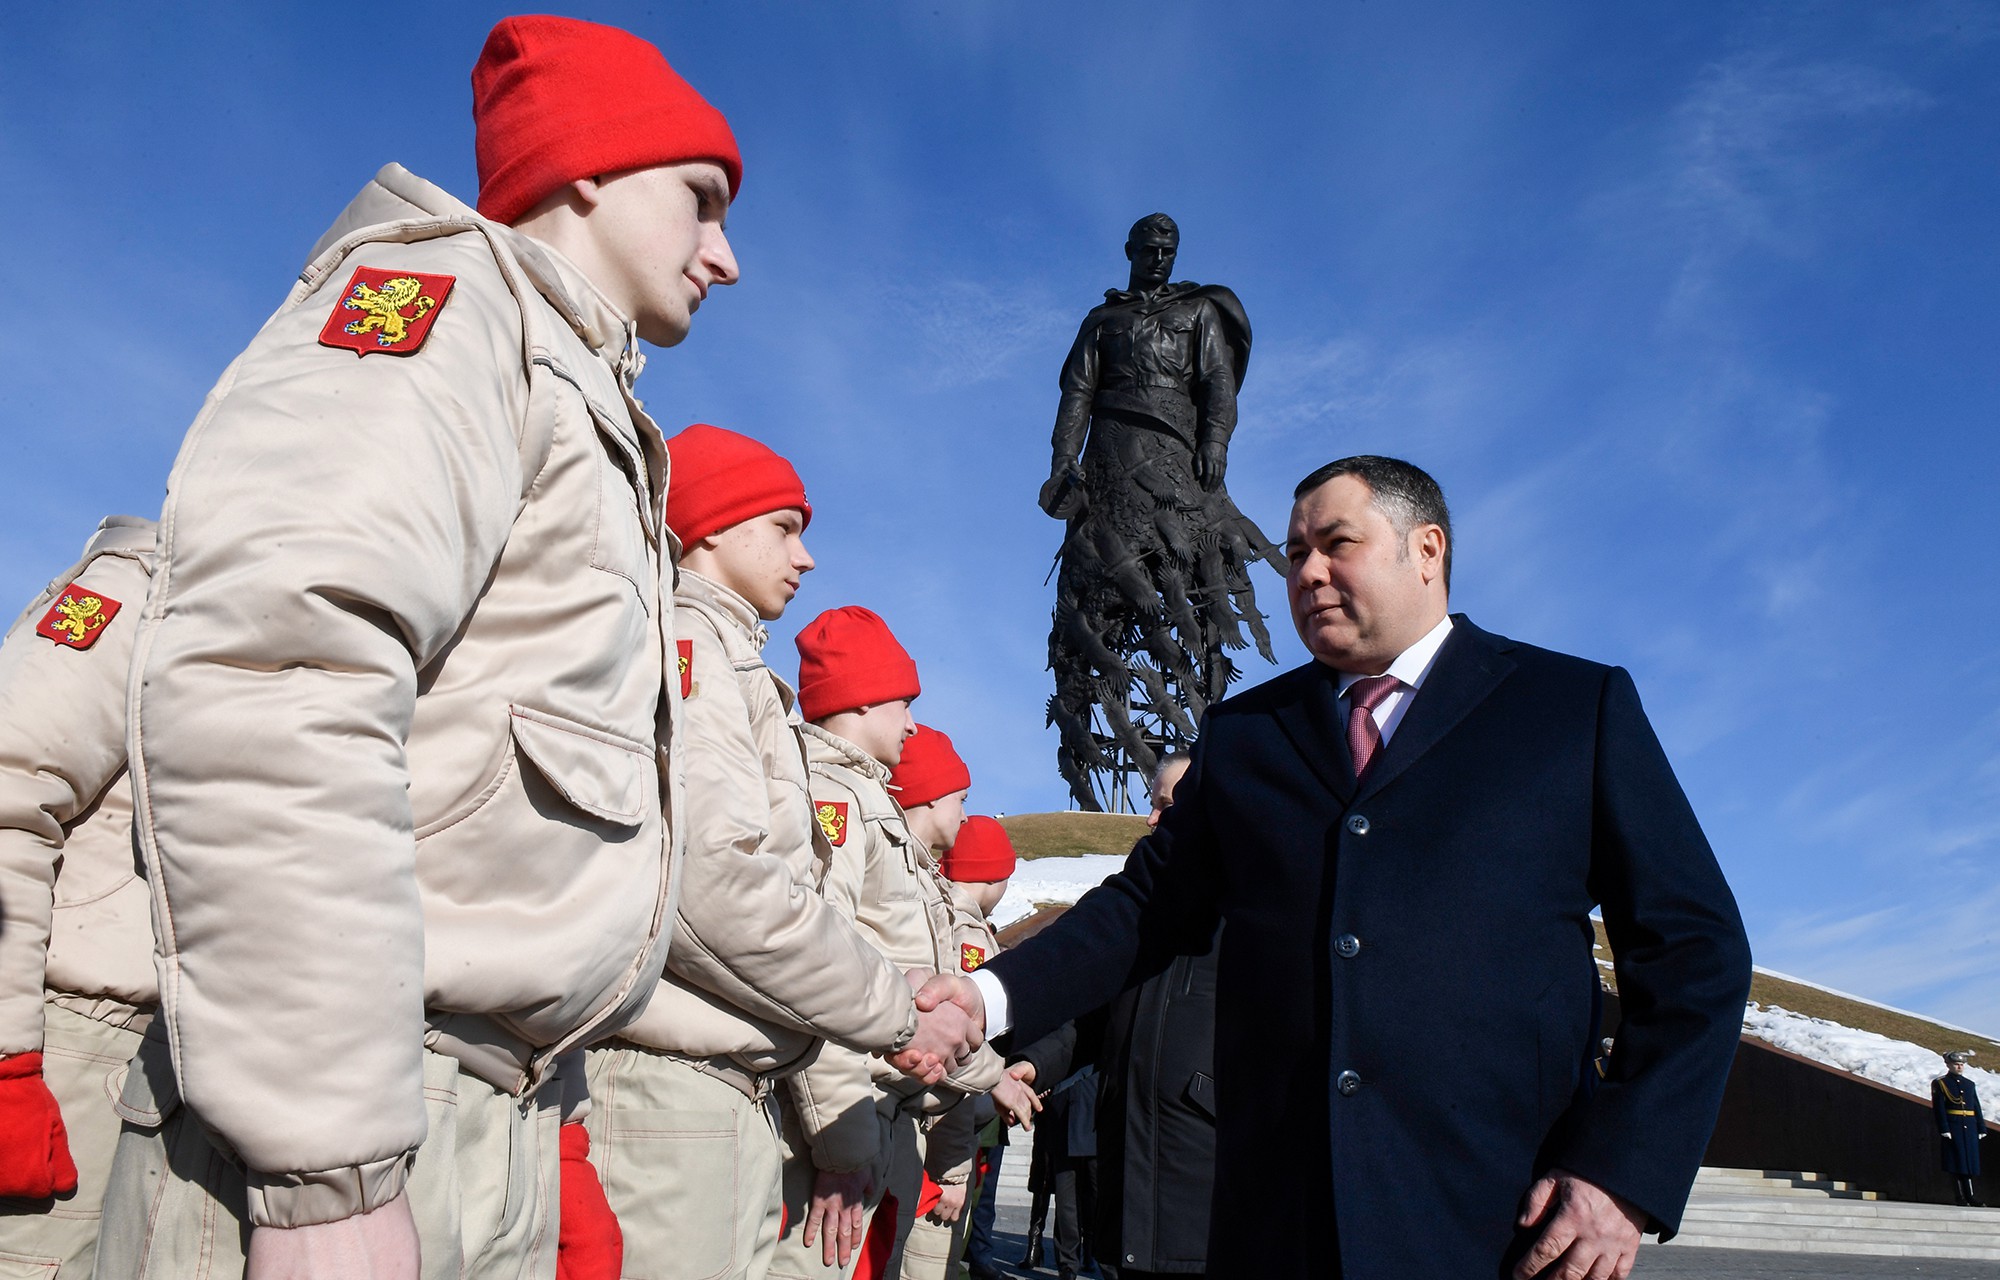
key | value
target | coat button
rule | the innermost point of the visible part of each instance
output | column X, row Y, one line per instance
column 1348, row 1083
column 1358, row 825
column 1347, row 945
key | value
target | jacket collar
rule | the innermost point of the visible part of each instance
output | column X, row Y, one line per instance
column 830, row 748
column 395, row 195
column 1469, row 666
column 714, row 598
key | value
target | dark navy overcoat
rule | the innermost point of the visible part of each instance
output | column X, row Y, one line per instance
column 1405, row 1001
column 1960, row 1120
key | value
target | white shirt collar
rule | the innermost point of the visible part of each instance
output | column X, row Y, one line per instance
column 1413, row 664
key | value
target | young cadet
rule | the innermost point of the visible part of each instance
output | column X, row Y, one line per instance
column 684, row 1119
column 976, row 868
column 76, row 948
column 401, row 754
column 850, row 1123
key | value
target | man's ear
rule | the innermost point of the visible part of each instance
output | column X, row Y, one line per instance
column 1430, row 550
column 589, row 192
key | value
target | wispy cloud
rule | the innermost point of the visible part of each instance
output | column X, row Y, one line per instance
column 1748, row 158
column 964, row 332
column 1935, row 956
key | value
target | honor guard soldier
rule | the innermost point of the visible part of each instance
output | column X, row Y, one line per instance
column 77, row 988
column 401, row 750
column 976, row 869
column 684, row 1122
column 849, row 1121
column 1961, row 1126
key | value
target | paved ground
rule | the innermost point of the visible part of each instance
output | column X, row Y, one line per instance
column 1655, row 1263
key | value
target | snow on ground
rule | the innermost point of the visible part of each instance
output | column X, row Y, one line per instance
column 1896, row 1063
column 1044, row 881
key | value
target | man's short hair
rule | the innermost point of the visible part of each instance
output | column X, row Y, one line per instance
column 1157, row 222
column 1402, row 491
column 1168, row 759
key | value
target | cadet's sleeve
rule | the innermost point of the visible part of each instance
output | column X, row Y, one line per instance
column 835, row 1096
column 1683, row 973
column 749, row 932
column 62, row 744
column 1938, row 1106
column 953, row 1146
column 330, row 522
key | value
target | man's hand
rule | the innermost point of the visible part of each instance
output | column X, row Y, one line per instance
column 951, row 1203
column 947, row 1033
column 956, row 989
column 1015, row 1096
column 835, row 1213
column 1591, row 1233
column 378, row 1245
column 1210, row 461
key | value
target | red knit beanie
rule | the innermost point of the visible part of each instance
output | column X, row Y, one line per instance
column 555, row 99
column 721, row 478
column 982, row 855
column 848, row 659
column 930, row 769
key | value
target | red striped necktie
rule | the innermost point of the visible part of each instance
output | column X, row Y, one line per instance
column 1364, row 738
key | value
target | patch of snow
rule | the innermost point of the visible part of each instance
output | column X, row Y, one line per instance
column 1896, row 1063
column 1048, row 881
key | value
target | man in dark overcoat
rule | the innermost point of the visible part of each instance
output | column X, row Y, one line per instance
column 1406, row 839
column 1961, row 1125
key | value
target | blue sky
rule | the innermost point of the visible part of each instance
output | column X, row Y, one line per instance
column 1689, row 307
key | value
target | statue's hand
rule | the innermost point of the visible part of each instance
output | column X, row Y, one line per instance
column 1058, row 496
column 1209, row 463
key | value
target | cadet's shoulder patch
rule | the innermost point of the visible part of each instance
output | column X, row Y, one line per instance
column 970, row 957
column 78, row 617
column 685, row 651
column 382, row 310
column 832, row 815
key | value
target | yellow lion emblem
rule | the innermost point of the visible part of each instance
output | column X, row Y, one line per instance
column 832, row 816
column 78, row 616
column 384, row 308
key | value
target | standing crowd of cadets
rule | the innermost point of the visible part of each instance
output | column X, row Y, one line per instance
column 409, row 863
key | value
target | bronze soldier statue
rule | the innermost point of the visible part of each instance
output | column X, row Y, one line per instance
column 1154, row 584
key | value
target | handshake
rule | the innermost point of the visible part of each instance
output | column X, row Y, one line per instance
column 951, row 1026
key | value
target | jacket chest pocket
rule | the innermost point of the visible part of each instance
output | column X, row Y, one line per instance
column 892, row 873
column 619, row 543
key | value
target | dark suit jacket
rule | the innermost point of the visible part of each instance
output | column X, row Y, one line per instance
column 1405, row 1004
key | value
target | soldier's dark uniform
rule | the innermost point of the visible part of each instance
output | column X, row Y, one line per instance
column 1961, row 1124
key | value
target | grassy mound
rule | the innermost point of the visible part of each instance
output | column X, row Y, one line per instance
column 1065, row 835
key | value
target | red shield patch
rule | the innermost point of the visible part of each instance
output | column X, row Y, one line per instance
column 686, row 651
column 77, row 617
column 386, row 311
column 832, row 815
column 970, row 957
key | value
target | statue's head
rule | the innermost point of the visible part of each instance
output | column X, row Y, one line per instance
column 1151, row 247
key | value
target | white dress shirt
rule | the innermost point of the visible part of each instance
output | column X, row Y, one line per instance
column 1412, row 667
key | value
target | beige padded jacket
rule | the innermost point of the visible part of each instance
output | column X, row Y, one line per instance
column 884, row 878
column 954, row 1139
column 762, row 966
column 398, row 735
column 73, row 913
